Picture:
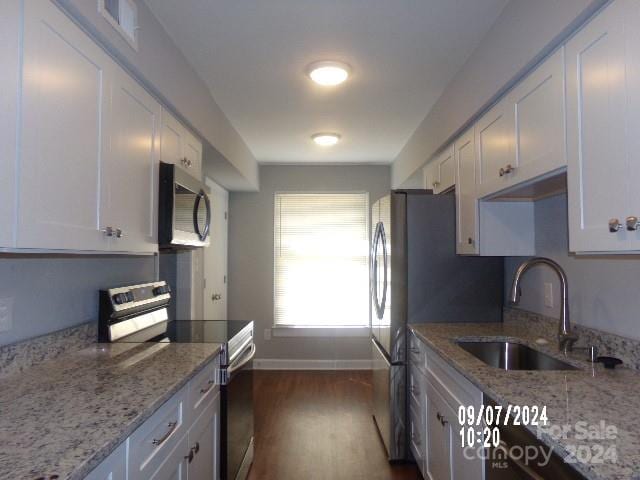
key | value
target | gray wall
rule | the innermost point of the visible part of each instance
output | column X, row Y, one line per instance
column 54, row 292
column 604, row 291
column 525, row 32
column 161, row 66
column 251, row 254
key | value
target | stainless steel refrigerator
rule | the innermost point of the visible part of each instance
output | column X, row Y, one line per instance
column 416, row 277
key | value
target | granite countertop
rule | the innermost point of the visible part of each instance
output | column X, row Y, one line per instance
column 591, row 394
column 64, row 416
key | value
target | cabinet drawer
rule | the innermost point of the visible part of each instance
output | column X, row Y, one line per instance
column 417, row 353
column 151, row 443
column 202, row 388
column 453, row 387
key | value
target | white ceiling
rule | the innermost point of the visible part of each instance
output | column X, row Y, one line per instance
column 252, row 54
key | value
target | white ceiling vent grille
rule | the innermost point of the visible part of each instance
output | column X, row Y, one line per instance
column 123, row 16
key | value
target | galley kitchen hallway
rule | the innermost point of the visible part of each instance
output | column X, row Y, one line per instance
column 312, row 425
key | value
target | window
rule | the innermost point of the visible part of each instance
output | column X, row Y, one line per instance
column 321, row 259
column 123, row 16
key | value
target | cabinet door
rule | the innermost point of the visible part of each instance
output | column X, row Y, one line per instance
column 203, row 442
column 538, row 102
column 439, row 437
column 494, row 141
column 175, row 465
column 431, row 176
column 446, row 170
column 10, row 25
column 129, row 180
column 193, row 154
column 64, row 105
column 598, row 66
column 466, row 199
column 114, row 467
column 172, row 140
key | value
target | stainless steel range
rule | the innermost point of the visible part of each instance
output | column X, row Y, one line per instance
column 139, row 313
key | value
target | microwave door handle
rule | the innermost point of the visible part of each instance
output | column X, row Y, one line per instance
column 202, row 234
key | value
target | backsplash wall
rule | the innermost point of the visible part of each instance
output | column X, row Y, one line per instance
column 52, row 292
column 604, row 291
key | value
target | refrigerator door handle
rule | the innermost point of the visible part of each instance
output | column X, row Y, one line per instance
column 379, row 237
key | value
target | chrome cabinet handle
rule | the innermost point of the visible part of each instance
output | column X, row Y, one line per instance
column 441, row 419
column 216, row 296
column 632, row 223
column 190, row 456
column 159, row 441
column 119, row 233
column 506, row 170
column 435, row 184
column 614, row 225
column 210, row 384
column 196, row 448
column 108, row 231
column 470, row 241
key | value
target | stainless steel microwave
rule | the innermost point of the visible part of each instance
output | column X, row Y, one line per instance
column 184, row 210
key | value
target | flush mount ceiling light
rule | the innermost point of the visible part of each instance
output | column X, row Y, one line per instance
column 326, row 139
column 328, row 73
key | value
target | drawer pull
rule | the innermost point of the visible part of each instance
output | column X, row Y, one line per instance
column 632, row 223
column 159, row 441
column 210, row 384
column 506, row 170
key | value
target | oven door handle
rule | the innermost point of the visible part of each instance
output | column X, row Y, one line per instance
column 526, row 469
column 242, row 361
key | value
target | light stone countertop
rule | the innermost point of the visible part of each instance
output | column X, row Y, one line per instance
column 64, row 416
column 591, row 394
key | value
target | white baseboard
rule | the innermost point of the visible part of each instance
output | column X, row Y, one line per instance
column 297, row 364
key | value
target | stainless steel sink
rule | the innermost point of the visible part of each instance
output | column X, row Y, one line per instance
column 513, row 356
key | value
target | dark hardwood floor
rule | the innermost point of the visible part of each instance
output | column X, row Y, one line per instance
column 316, row 426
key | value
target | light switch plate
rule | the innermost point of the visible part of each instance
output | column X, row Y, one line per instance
column 6, row 314
column 548, row 294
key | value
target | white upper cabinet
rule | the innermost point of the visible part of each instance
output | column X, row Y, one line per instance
column 430, row 175
column 466, row 198
column 523, row 136
column 64, row 106
column 539, row 109
column 129, row 180
column 603, row 125
column 442, row 171
column 494, row 141
column 179, row 146
column 88, row 147
column 9, row 82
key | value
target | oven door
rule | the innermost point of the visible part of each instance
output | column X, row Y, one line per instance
column 237, row 417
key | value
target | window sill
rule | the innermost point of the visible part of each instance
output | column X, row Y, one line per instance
column 280, row 331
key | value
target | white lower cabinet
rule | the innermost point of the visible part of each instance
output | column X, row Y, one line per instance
column 434, row 431
column 114, row 467
column 173, row 443
column 175, row 464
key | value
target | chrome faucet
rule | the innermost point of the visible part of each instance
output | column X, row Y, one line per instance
column 566, row 338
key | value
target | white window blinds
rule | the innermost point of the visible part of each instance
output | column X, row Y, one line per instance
column 321, row 259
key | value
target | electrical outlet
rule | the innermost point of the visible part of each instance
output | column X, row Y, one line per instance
column 267, row 334
column 6, row 314
column 548, row 295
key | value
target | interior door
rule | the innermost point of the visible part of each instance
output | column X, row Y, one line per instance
column 64, row 108
column 129, row 180
column 215, row 255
